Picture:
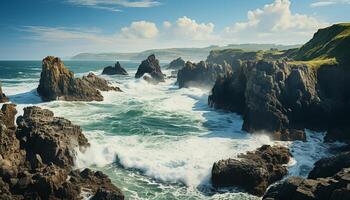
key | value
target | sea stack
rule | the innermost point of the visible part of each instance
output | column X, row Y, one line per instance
column 37, row 158
column 150, row 66
column 117, row 69
column 58, row 83
column 177, row 64
column 3, row 97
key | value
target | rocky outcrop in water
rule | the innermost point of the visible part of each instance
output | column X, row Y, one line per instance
column 150, row 66
column 253, row 171
column 3, row 97
column 117, row 69
column 177, row 64
column 37, row 157
column 283, row 98
column 201, row 74
column 99, row 83
column 58, row 83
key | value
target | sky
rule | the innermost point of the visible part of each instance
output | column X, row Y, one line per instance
column 33, row 29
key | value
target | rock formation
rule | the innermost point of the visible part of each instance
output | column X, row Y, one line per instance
column 58, row 83
column 253, row 171
column 201, row 74
column 150, row 66
column 117, row 69
column 177, row 64
column 99, row 83
column 37, row 157
column 3, row 97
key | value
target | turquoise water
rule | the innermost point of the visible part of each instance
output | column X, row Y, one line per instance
column 154, row 141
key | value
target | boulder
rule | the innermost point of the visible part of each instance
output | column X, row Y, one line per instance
column 99, row 83
column 36, row 160
column 296, row 188
column 117, row 69
column 253, row 171
column 177, row 64
column 3, row 97
column 201, row 74
column 58, row 83
column 150, row 66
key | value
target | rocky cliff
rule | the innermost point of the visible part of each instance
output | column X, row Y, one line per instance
column 201, row 74
column 37, row 157
column 3, row 97
column 58, row 83
column 150, row 66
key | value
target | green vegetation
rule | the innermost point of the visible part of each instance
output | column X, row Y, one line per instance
column 327, row 43
column 315, row 63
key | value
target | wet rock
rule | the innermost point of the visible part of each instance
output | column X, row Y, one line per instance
column 99, row 83
column 177, row 64
column 201, row 74
column 117, row 69
column 3, row 97
column 58, row 83
column 150, row 66
column 253, row 171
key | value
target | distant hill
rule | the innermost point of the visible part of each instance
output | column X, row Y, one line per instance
column 194, row 54
column 329, row 43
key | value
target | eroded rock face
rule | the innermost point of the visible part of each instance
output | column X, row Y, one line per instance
column 297, row 188
column 58, row 83
column 177, row 64
column 3, row 97
column 150, row 66
column 36, row 160
column 253, row 171
column 99, row 83
column 117, row 69
column 201, row 74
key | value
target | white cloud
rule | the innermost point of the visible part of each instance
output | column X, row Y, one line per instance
column 275, row 23
column 320, row 3
column 140, row 29
column 113, row 5
column 186, row 28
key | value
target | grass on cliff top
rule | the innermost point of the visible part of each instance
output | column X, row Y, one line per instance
column 315, row 63
column 330, row 42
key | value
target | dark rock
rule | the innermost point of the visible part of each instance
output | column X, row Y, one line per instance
column 297, row 188
column 177, row 64
column 99, row 83
column 58, row 83
column 3, row 97
column 327, row 167
column 117, row 69
column 150, row 66
column 201, row 74
column 253, row 171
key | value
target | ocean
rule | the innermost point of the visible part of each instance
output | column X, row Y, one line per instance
column 154, row 141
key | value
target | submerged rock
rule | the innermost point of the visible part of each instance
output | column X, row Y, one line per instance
column 3, row 97
column 177, row 64
column 37, row 158
column 150, row 66
column 253, row 171
column 117, row 69
column 201, row 74
column 58, row 83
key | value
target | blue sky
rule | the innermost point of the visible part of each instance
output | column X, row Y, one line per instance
column 32, row 29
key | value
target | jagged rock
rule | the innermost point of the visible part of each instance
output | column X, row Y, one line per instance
column 58, row 83
column 52, row 138
column 117, row 69
column 36, row 160
column 296, row 188
column 99, row 83
column 177, row 64
column 201, row 74
column 3, row 97
column 150, row 66
column 253, row 171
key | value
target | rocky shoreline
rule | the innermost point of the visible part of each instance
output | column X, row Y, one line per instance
column 37, row 158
